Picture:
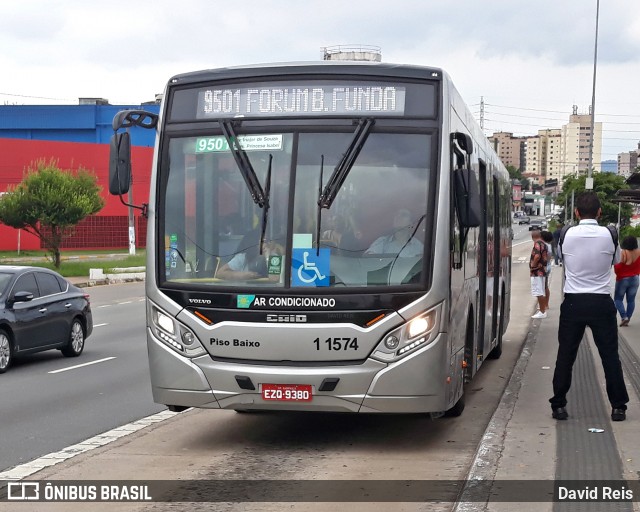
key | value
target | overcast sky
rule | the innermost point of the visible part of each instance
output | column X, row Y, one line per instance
column 530, row 60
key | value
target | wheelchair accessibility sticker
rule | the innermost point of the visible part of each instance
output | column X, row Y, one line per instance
column 310, row 269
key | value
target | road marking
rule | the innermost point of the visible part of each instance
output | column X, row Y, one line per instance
column 84, row 364
column 99, row 325
column 29, row 468
column 126, row 302
column 105, row 305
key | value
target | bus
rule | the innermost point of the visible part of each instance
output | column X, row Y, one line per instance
column 331, row 236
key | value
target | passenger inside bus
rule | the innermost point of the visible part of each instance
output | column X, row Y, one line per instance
column 248, row 263
column 344, row 236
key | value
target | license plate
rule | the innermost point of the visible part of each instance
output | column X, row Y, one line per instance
column 287, row 392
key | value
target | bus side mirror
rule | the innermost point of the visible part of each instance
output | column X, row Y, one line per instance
column 467, row 196
column 464, row 142
column 120, row 164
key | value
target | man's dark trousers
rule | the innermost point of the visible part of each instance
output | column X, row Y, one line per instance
column 598, row 312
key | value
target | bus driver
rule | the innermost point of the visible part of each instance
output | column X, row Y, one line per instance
column 401, row 240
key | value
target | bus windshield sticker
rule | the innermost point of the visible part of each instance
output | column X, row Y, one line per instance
column 271, row 142
column 302, row 100
column 275, row 265
column 309, row 268
column 302, row 240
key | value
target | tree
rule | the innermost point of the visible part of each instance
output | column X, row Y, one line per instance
column 50, row 202
column 605, row 184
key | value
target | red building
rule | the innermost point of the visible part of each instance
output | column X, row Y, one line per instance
column 106, row 230
column 516, row 191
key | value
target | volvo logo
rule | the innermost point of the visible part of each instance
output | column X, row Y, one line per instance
column 287, row 318
column 200, row 301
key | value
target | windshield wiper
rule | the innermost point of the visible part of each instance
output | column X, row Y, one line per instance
column 243, row 163
column 319, row 214
column 265, row 208
column 346, row 163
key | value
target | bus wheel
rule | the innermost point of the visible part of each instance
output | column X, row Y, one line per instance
column 457, row 409
column 177, row 408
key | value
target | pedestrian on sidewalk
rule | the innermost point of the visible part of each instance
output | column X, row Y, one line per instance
column 547, row 238
column 538, row 270
column 557, row 256
column 627, row 278
column 588, row 252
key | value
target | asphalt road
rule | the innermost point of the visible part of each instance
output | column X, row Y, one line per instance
column 48, row 401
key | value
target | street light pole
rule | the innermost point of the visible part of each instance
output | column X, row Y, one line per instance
column 589, row 182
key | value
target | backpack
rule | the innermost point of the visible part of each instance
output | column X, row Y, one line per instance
column 612, row 231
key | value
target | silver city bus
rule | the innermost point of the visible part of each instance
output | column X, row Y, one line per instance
column 329, row 236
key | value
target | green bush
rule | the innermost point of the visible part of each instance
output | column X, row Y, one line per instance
column 80, row 267
column 630, row 231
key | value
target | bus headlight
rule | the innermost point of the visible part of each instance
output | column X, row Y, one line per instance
column 417, row 332
column 174, row 333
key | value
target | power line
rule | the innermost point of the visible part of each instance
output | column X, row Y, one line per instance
column 525, row 108
column 557, row 119
column 551, row 111
column 35, row 97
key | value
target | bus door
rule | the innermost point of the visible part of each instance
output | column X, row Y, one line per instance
column 485, row 262
column 494, row 255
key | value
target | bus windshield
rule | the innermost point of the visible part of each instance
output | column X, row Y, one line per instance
column 372, row 234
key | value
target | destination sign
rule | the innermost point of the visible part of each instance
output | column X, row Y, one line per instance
column 373, row 99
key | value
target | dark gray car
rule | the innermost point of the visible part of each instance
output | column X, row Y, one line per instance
column 40, row 310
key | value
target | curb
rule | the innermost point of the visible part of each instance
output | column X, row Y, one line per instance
column 107, row 281
column 99, row 278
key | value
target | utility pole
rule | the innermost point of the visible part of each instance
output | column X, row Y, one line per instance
column 589, row 181
column 482, row 113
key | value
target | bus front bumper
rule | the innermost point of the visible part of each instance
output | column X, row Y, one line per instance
column 413, row 384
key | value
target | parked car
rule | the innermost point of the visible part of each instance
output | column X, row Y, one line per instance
column 40, row 310
column 521, row 218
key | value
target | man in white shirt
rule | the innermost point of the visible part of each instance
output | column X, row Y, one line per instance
column 588, row 252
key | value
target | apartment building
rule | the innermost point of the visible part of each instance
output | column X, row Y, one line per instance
column 532, row 169
column 628, row 162
column 554, row 153
column 577, row 139
column 509, row 148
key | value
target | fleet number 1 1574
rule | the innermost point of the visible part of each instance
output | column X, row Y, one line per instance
column 336, row 344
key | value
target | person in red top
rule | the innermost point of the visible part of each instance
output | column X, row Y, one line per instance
column 538, row 272
column 627, row 278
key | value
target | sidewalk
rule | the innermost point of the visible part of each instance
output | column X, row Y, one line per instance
column 537, row 447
